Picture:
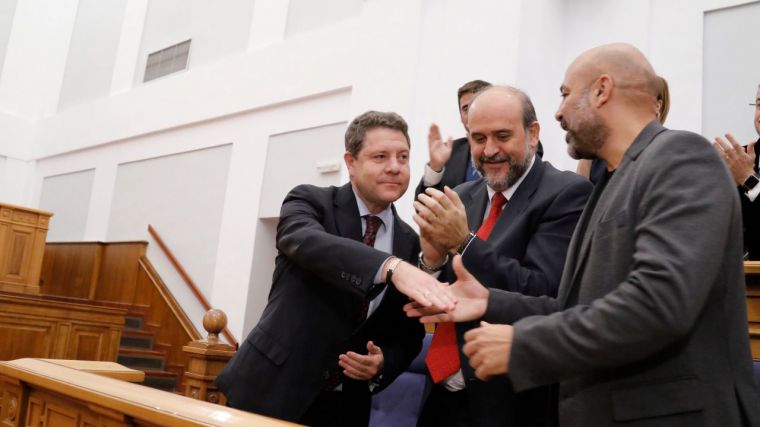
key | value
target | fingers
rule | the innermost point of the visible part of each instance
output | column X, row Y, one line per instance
column 426, row 314
column 732, row 140
column 751, row 149
column 437, row 197
column 434, row 133
column 373, row 349
column 453, row 197
column 357, row 366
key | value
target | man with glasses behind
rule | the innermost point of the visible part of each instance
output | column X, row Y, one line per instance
column 743, row 164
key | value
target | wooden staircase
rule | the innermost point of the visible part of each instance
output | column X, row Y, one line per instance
column 119, row 275
column 137, row 351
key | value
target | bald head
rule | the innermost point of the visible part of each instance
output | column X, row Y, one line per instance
column 630, row 71
column 502, row 95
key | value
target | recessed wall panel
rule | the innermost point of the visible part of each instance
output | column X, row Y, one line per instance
column 68, row 197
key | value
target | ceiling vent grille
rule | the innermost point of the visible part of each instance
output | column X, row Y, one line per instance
column 167, row 61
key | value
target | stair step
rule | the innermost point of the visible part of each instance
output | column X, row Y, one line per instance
column 161, row 380
column 133, row 322
column 142, row 359
column 136, row 342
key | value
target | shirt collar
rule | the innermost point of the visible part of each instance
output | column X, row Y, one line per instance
column 386, row 215
column 509, row 192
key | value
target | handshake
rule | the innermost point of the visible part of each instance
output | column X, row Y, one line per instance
column 466, row 299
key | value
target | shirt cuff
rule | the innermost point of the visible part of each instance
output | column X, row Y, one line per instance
column 432, row 177
column 753, row 193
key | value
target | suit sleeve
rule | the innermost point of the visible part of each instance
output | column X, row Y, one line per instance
column 340, row 261
column 683, row 222
column 540, row 270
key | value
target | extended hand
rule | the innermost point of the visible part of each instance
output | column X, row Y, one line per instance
column 362, row 367
column 423, row 288
column 442, row 218
column 741, row 163
column 488, row 348
column 440, row 150
column 471, row 296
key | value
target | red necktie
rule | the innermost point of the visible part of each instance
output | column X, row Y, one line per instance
column 443, row 355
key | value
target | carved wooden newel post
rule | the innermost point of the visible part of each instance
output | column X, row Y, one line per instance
column 206, row 359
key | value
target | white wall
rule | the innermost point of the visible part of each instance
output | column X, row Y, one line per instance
column 90, row 60
column 68, row 196
column 272, row 72
column 731, row 73
column 7, row 11
column 217, row 29
column 181, row 196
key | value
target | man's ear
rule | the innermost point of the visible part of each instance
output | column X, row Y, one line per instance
column 602, row 90
column 533, row 132
column 349, row 159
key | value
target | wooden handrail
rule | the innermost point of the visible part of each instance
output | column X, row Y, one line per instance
column 188, row 281
column 169, row 299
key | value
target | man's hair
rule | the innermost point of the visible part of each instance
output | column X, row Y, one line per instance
column 473, row 87
column 368, row 121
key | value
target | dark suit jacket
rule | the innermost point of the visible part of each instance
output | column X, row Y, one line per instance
column 751, row 215
column 323, row 272
column 650, row 325
column 524, row 253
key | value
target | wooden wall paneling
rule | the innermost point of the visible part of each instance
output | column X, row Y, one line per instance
column 752, row 278
column 87, row 343
column 31, row 326
column 71, row 269
column 118, row 272
column 22, row 236
column 24, row 336
column 12, row 394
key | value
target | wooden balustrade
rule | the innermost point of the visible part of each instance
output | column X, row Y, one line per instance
column 31, row 326
column 752, row 273
column 206, row 359
column 36, row 392
column 118, row 274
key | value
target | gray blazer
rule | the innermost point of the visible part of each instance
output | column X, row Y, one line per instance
column 650, row 325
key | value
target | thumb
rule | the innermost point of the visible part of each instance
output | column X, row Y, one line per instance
column 751, row 148
column 372, row 348
column 460, row 271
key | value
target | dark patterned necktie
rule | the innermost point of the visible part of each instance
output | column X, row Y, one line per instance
column 442, row 359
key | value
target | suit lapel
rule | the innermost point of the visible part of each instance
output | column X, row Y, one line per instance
column 598, row 204
column 347, row 217
column 475, row 203
column 520, row 199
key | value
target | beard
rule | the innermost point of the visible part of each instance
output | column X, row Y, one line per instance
column 587, row 134
column 516, row 168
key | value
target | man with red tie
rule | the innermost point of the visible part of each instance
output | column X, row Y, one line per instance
column 512, row 228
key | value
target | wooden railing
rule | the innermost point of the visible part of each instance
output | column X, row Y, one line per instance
column 188, row 281
column 36, row 392
column 752, row 274
column 119, row 275
column 32, row 326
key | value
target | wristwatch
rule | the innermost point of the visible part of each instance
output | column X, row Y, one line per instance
column 750, row 183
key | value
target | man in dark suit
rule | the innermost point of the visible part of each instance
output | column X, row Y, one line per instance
column 333, row 331
column 743, row 164
column 523, row 249
column 650, row 324
column 449, row 163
